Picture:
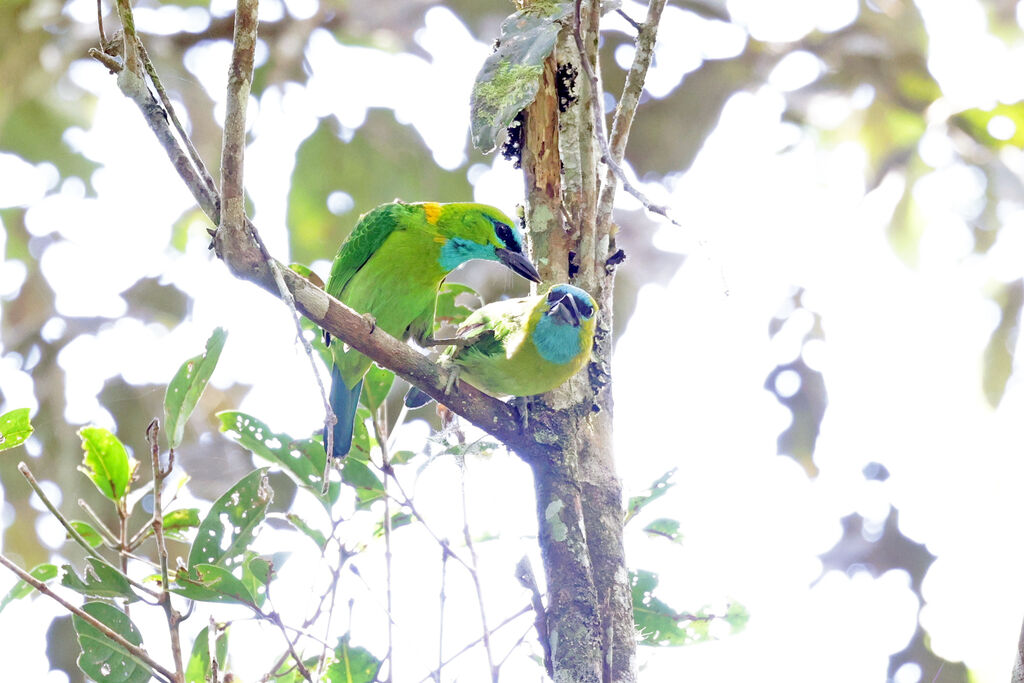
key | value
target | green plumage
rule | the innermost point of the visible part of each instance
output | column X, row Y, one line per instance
column 525, row 346
column 391, row 267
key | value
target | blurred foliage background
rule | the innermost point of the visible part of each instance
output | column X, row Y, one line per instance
column 868, row 79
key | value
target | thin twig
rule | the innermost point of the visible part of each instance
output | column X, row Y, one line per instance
column 193, row 153
column 101, row 528
column 275, row 619
column 524, row 572
column 598, row 113
column 470, row 646
column 91, row 620
column 159, row 474
column 211, row 648
column 646, row 38
column 381, row 432
column 632, row 22
column 99, row 22
column 474, row 572
column 27, row 473
column 440, row 627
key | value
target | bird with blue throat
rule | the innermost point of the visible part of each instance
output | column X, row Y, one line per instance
column 391, row 267
column 522, row 347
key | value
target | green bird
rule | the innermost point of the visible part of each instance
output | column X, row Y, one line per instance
column 522, row 347
column 390, row 268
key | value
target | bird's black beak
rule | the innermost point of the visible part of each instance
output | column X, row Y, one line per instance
column 565, row 311
column 517, row 262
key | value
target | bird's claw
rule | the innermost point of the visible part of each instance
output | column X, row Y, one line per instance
column 521, row 405
column 451, row 372
column 371, row 321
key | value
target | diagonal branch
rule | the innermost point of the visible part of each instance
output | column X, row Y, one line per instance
column 624, row 112
column 91, row 620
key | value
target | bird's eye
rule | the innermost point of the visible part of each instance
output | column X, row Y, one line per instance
column 507, row 237
column 585, row 309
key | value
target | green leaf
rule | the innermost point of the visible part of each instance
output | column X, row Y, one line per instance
column 1006, row 120
column 376, row 385
column 258, row 572
column 352, row 664
column 88, row 532
column 43, row 572
column 510, row 77
column 447, row 311
column 15, row 428
column 187, row 387
column 211, row 583
column 399, row 519
column 101, row 581
column 106, row 461
column 302, row 459
column 231, row 524
column 665, row 528
column 402, row 457
column 659, row 624
column 316, row 535
column 177, row 522
column 198, row 668
column 103, row 660
column 659, row 488
column 357, row 474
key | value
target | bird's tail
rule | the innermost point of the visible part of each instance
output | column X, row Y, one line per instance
column 414, row 398
column 344, row 402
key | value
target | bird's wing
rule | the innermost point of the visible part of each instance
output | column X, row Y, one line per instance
column 366, row 238
column 490, row 329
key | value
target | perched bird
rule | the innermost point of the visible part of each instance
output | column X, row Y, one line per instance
column 390, row 268
column 522, row 347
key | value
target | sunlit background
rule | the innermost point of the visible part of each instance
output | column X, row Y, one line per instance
column 825, row 351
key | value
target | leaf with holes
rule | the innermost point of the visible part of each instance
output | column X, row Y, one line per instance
column 15, row 428
column 302, row 459
column 106, row 461
column 211, row 583
column 103, row 660
column 187, row 387
column 665, row 527
column 447, row 311
column 352, row 664
column 510, row 78
column 43, row 572
column 100, row 581
column 198, row 668
column 232, row 522
column 659, row 488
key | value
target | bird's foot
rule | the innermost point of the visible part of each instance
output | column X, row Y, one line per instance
column 457, row 342
column 450, row 373
column 521, row 406
column 371, row 321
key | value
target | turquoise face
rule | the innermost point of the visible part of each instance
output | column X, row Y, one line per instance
column 555, row 341
column 457, row 251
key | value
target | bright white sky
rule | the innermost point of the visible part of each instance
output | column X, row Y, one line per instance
column 901, row 356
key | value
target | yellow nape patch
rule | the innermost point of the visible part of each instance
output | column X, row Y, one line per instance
column 433, row 211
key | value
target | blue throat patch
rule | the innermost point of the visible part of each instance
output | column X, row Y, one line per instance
column 557, row 343
column 457, row 251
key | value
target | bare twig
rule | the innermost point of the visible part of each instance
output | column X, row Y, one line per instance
column 475, row 574
column 630, row 20
column 27, row 473
column 524, row 572
column 91, row 620
column 108, row 537
column 381, row 432
column 99, row 22
column 211, row 648
column 440, row 627
column 239, row 83
column 625, row 110
column 173, row 617
column 598, row 113
column 469, row 646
